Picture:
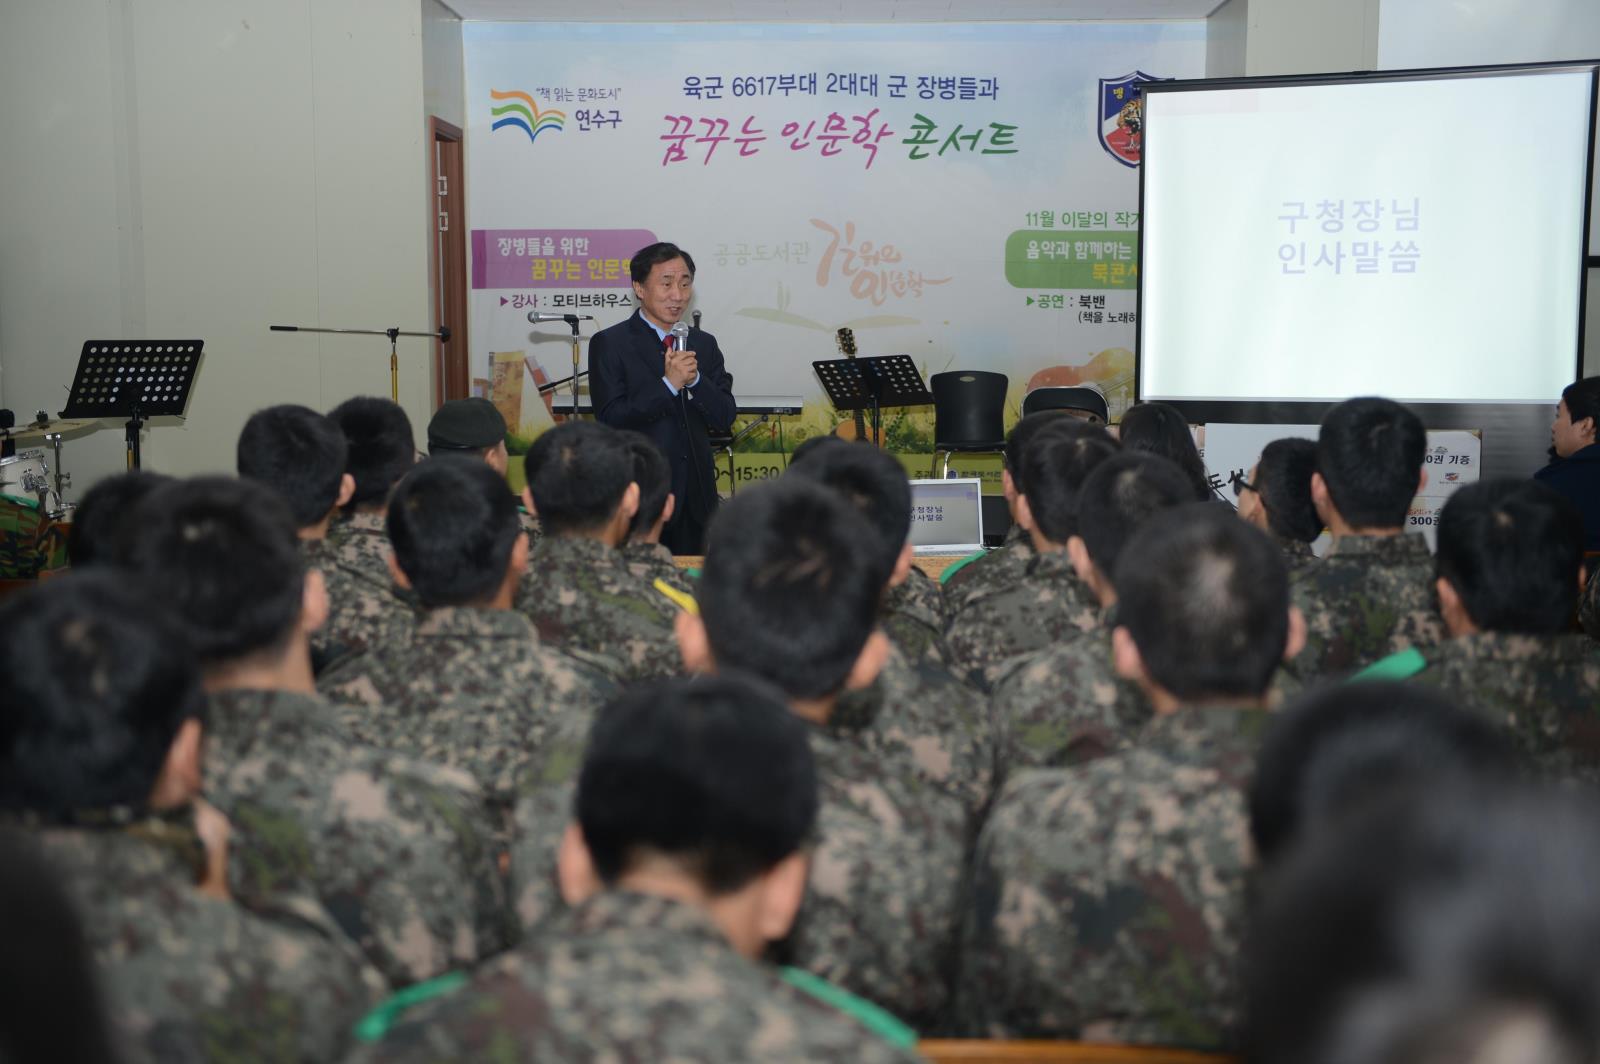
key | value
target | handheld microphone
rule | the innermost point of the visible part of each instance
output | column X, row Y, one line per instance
column 571, row 319
column 680, row 335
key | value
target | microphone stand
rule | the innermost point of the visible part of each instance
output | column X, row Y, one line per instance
column 393, row 333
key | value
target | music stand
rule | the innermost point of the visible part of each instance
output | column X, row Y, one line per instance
column 871, row 383
column 135, row 379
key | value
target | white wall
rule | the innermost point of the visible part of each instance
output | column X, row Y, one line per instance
column 204, row 168
column 1227, row 40
column 443, row 80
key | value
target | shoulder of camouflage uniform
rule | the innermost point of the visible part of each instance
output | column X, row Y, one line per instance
column 1063, row 706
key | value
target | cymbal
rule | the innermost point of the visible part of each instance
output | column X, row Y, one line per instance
column 40, row 429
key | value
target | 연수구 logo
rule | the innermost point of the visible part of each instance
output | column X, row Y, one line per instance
column 517, row 110
column 1122, row 116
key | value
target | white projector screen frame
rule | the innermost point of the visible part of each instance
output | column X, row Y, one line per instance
column 1183, row 354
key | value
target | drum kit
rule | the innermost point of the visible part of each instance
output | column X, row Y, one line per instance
column 37, row 474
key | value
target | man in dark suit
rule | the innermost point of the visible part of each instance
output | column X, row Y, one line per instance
column 639, row 379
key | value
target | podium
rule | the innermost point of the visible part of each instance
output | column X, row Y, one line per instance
column 873, row 383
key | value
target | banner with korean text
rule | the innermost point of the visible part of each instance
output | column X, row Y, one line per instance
column 963, row 193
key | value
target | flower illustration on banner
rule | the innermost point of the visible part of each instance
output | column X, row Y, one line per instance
column 871, row 269
column 524, row 114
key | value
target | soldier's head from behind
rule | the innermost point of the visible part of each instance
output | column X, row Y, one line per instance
column 580, row 482
column 1055, row 465
column 104, row 703
column 1369, row 466
column 654, row 477
column 456, row 537
column 790, row 594
column 301, row 455
column 1461, row 927
column 1120, row 495
column 1203, row 612
column 1343, row 747
column 874, row 484
column 470, row 427
column 225, row 557
column 702, row 790
column 381, row 449
column 103, row 515
column 1277, row 497
column 1510, row 559
column 1022, row 433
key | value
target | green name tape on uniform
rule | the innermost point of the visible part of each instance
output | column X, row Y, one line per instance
column 1400, row 666
column 375, row 1024
column 955, row 567
column 878, row 1021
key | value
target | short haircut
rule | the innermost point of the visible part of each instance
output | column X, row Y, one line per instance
column 1283, row 480
column 381, row 446
column 1055, row 464
column 1343, row 746
column 1583, row 399
column 225, row 554
column 787, row 594
column 453, row 526
column 1023, row 431
column 298, row 453
column 654, row 477
column 1512, row 550
column 1205, row 597
column 713, row 773
column 1369, row 452
column 1122, row 493
column 99, row 681
column 1459, row 925
column 103, row 515
column 577, row 473
column 1161, row 429
column 647, row 258
column 873, row 482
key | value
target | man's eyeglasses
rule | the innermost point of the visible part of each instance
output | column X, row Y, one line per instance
column 1241, row 485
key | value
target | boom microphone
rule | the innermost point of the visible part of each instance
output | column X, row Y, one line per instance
column 571, row 319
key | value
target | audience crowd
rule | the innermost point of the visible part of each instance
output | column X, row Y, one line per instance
column 359, row 756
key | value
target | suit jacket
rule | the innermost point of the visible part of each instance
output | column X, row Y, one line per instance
column 1578, row 478
column 625, row 370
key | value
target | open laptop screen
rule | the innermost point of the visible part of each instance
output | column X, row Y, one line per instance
column 947, row 516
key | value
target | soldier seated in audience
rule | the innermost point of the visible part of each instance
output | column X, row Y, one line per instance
column 1066, row 704
column 103, row 512
column 695, row 804
column 1109, row 898
column 788, row 596
column 1342, row 748
column 647, row 558
column 1048, row 603
column 1510, row 567
column 1457, row 924
column 475, row 427
column 100, row 762
column 474, row 687
column 985, row 572
column 580, row 593
column 1588, row 606
column 1373, row 593
column 1277, row 499
column 401, row 852
column 914, row 708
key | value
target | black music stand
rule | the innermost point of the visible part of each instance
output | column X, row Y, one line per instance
column 135, row 379
column 872, row 383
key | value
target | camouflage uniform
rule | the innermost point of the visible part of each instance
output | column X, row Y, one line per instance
column 1371, row 596
column 914, row 619
column 1046, row 604
column 918, row 711
column 1545, row 689
column 580, row 594
column 1589, row 604
column 400, row 852
column 651, row 561
column 189, row 977
column 474, row 689
column 880, row 911
column 1109, row 898
column 1000, row 568
column 1297, row 554
column 365, row 608
column 629, row 977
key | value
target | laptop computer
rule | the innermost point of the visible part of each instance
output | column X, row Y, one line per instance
column 947, row 516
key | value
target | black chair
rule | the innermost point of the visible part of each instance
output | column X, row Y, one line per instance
column 1087, row 399
column 969, row 414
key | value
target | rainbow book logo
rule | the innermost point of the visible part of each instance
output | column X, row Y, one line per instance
column 520, row 112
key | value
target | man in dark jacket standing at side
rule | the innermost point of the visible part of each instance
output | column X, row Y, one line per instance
column 674, row 389
column 1574, row 469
